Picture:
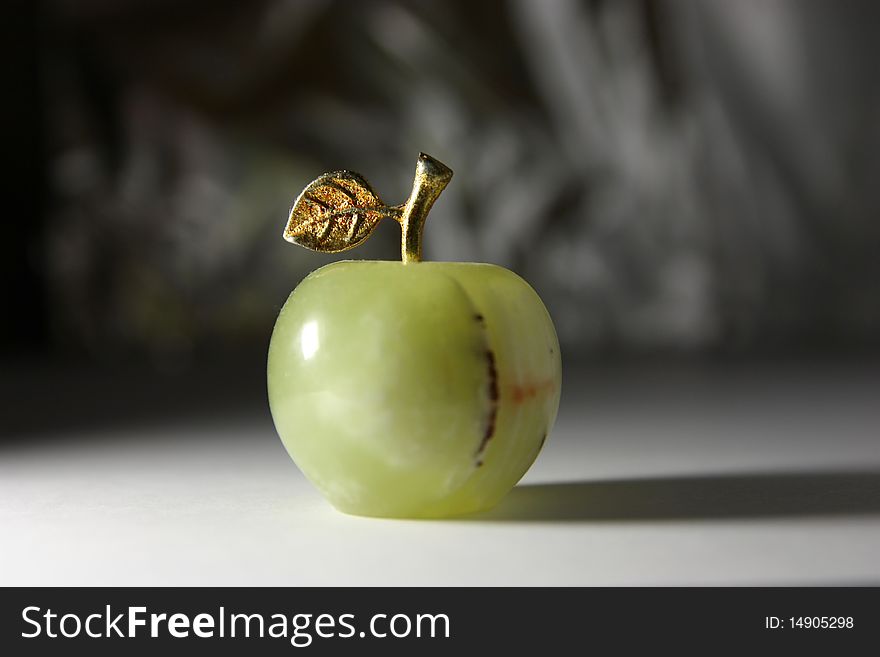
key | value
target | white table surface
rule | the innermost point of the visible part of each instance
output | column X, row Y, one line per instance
column 746, row 477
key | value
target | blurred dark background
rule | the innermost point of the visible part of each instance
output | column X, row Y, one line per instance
column 685, row 181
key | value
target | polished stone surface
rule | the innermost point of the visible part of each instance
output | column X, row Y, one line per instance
column 418, row 390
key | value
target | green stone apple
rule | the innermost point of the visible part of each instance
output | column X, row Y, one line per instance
column 408, row 389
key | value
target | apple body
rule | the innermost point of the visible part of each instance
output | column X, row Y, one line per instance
column 413, row 390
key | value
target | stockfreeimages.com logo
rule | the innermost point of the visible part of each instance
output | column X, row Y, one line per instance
column 299, row 629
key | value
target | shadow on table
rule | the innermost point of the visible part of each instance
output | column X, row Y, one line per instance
column 691, row 498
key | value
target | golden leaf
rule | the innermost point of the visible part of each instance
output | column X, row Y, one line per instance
column 336, row 212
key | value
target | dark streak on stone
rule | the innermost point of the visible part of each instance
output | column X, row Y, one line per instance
column 493, row 402
column 543, row 440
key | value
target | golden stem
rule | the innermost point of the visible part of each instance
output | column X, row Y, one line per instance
column 431, row 179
